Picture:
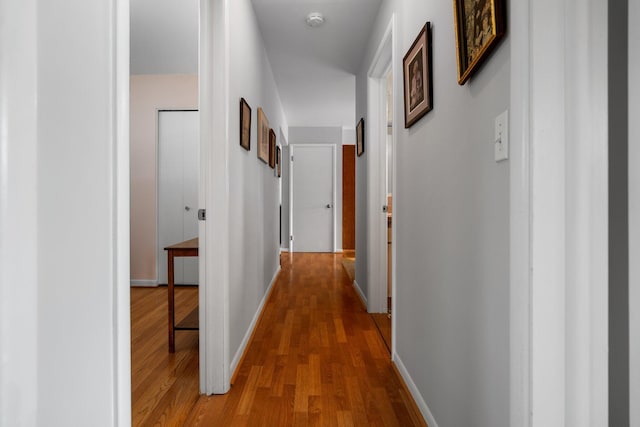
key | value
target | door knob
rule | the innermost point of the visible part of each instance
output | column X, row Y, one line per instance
column 187, row 208
column 329, row 206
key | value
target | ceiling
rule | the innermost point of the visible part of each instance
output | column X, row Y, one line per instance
column 314, row 68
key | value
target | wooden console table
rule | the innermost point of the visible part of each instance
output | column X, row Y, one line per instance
column 190, row 323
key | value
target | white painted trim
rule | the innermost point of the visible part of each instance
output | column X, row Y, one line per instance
column 569, row 207
column 284, row 250
column 290, row 171
column 415, row 393
column 360, row 293
column 247, row 336
column 214, row 241
column 520, row 218
column 122, row 212
column 144, row 283
column 376, row 125
column 334, row 196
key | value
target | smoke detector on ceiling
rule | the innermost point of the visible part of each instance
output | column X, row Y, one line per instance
column 315, row 19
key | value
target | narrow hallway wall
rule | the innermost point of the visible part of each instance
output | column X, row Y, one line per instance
column 254, row 188
column 451, row 215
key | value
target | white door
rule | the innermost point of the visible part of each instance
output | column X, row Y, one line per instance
column 178, row 175
column 312, row 197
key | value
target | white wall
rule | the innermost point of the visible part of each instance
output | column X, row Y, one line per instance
column 634, row 211
column 451, row 216
column 254, row 188
column 331, row 135
column 63, row 369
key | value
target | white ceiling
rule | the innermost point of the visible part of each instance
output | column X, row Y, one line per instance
column 314, row 68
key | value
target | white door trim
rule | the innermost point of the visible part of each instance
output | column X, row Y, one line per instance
column 292, row 148
column 559, row 242
column 520, row 214
column 122, row 213
column 214, row 196
column 375, row 135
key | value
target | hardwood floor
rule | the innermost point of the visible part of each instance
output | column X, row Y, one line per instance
column 316, row 359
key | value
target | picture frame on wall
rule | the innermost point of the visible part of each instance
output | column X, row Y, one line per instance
column 245, row 125
column 360, row 137
column 278, row 161
column 479, row 26
column 272, row 149
column 263, row 136
column 417, row 76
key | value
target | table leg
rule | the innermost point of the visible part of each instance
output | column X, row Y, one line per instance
column 171, row 302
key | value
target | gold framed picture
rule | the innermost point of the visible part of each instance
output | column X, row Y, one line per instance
column 418, row 84
column 480, row 24
column 263, row 136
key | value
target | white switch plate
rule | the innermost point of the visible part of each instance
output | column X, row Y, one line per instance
column 501, row 137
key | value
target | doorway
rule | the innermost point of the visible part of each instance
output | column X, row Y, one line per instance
column 380, row 209
column 312, row 194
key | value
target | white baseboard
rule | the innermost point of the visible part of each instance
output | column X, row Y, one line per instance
column 147, row 283
column 284, row 250
column 417, row 397
column 245, row 341
column 360, row 293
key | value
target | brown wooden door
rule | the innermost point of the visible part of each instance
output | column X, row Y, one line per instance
column 349, row 197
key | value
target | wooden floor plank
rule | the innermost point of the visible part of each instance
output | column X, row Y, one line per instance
column 315, row 359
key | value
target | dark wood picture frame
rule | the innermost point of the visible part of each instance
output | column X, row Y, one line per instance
column 360, row 137
column 479, row 25
column 272, row 149
column 263, row 136
column 245, row 125
column 278, row 161
column 417, row 76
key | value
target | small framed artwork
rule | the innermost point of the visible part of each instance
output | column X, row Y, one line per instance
column 480, row 24
column 416, row 71
column 278, row 161
column 245, row 125
column 263, row 136
column 360, row 137
column 272, row 149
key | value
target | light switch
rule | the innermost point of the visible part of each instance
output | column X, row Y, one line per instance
column 501, row 137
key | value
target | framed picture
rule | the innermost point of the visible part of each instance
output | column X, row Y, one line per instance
column 279, row 161
column 263, row 136
column 245, row 125
column 272, row 149
column 360, row 137
column 416, row 71
column 480, row 24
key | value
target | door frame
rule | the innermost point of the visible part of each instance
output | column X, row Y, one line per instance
column 213, row 98
column 376, row 128
column 292, row 148
column 558, row 214
column 160, row 251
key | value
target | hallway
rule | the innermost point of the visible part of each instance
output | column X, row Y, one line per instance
column 316, row 358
